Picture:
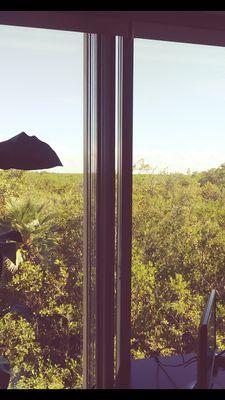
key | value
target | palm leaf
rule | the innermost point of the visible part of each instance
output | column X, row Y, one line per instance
column 13, row 266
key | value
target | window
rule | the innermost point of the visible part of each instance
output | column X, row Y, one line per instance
column 192, row 27
column 41, row 93
column 177, row 193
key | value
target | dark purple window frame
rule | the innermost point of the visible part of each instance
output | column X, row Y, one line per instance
column 200, row 27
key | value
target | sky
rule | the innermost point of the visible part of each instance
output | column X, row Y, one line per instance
column 179, row 105
column 179, row 98
column 41, row 90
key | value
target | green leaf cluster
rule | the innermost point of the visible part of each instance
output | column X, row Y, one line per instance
column 178, row 257
column 44, row 350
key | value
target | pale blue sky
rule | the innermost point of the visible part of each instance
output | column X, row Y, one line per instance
column 41, row 89
column 179, row 98
column 179, row 105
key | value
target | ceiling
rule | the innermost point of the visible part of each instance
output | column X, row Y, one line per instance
column 145, row 24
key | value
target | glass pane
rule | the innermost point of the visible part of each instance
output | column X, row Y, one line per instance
column 178, row 194
column 41, row 94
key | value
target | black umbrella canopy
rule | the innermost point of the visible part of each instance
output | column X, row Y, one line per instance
column 28, row 153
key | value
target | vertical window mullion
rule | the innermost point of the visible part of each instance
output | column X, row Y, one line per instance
column 124, row 206
column 86, row 190
column 99, row 213
column 90, row 162
column 106, row 210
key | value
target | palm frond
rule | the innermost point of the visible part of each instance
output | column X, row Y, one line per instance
column 11, row 266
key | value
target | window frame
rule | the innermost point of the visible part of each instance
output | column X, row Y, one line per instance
column 124, row 207
column 99, row 238
column 192, row 27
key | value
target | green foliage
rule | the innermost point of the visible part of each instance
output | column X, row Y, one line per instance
column 46, row 350
column 178, row 256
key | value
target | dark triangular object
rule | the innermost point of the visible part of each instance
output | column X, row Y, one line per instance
column 27, row 153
